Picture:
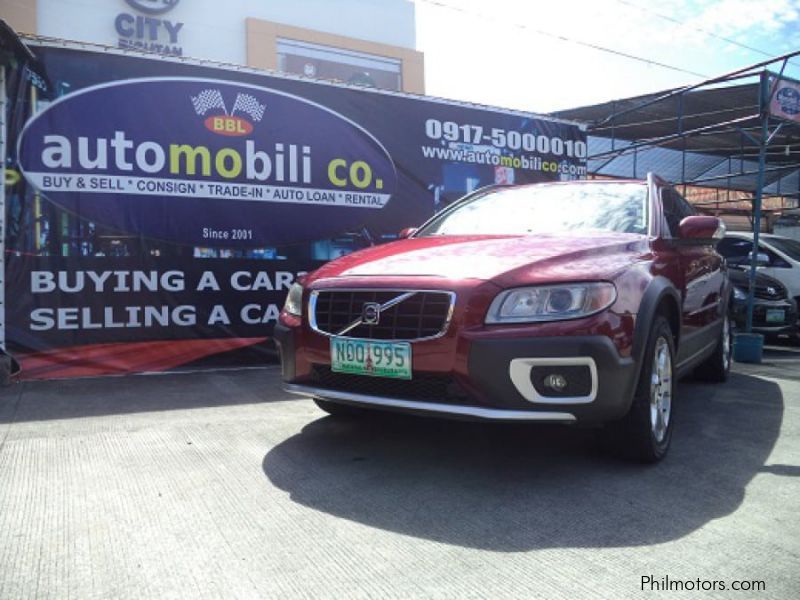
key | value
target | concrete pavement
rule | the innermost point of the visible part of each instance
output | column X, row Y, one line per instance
column 219, row 485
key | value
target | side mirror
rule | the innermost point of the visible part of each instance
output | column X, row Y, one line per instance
column 407, row 233
column 701, row 229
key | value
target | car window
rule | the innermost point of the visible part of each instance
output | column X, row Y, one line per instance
column 774, row 260
column 788, row 246
column 675, row 210
column 546, row 208
column 687, row 209
column 737, row 252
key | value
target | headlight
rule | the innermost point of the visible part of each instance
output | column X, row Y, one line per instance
column 739, row 294
column 551, row 303
column 294, row 300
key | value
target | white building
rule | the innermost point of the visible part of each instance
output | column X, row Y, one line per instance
column 371, row 42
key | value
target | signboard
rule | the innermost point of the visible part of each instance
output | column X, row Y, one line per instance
column 785, row 99
column 148, row 28
column 218, row 157
column 171, row 204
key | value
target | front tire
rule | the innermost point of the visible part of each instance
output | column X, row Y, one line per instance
column 644, row 434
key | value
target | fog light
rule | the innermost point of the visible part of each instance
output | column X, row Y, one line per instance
column 555, row 382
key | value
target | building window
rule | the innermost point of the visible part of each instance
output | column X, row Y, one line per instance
column 328, row 62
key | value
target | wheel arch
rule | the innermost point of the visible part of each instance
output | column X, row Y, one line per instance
column 660, row 298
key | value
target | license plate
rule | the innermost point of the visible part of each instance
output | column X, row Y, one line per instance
column 776, row 315
column 369, row 357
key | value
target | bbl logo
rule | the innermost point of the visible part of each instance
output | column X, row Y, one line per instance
column 153, row 7
column 228, row 123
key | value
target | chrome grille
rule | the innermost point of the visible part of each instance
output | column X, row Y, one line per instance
column 770, row 292
column 404, row 314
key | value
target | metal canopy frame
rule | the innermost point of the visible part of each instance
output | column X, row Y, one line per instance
column 717, row 134
column 706, row 135
column 13, row 54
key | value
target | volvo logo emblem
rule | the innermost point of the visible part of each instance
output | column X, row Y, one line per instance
column 153, row 7
column 371, row 313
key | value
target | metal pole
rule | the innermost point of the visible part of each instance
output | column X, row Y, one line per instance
column 728, row 182
column 37, row 197
column 613, row 132
column 683, row 143
column 3, row 140
column 762, row 158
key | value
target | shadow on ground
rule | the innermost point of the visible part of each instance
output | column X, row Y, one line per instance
column 514, row 487
column 95, row 397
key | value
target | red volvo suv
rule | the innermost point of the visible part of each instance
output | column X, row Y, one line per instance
column 576, row 302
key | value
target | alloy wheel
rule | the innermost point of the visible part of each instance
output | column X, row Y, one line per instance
column 726, row 343
column 661, row 390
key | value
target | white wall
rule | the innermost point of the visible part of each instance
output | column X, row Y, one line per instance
column 215, row 29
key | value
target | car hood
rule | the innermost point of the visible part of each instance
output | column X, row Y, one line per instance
column 504, row 259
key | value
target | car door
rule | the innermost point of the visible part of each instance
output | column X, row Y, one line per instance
column 702, row 269
column 779, row 267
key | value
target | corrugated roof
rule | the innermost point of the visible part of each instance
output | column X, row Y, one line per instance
column 718, row 153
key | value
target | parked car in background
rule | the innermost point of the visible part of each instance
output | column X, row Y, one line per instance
column 779, row 257
column 575, row 302
column 774, row 312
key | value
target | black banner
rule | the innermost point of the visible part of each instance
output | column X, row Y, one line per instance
column 78, row 301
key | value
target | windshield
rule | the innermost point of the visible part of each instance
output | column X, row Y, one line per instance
column 549, row 208
column 789, row 247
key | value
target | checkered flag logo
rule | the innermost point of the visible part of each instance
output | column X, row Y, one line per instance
column 208, row 99
column 250, row 106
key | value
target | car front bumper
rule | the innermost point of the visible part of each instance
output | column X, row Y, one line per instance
column 760, row 324
column 499, row 378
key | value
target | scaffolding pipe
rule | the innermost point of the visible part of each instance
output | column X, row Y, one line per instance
column 762, row 159
column 674, row 136
column 737, row 74
column 730, row 175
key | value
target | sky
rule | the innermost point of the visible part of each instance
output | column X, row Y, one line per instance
column 510, row 53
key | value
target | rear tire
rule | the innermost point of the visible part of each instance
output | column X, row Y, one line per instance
column 644, row 434
column 717, row 366
column 340, row 410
